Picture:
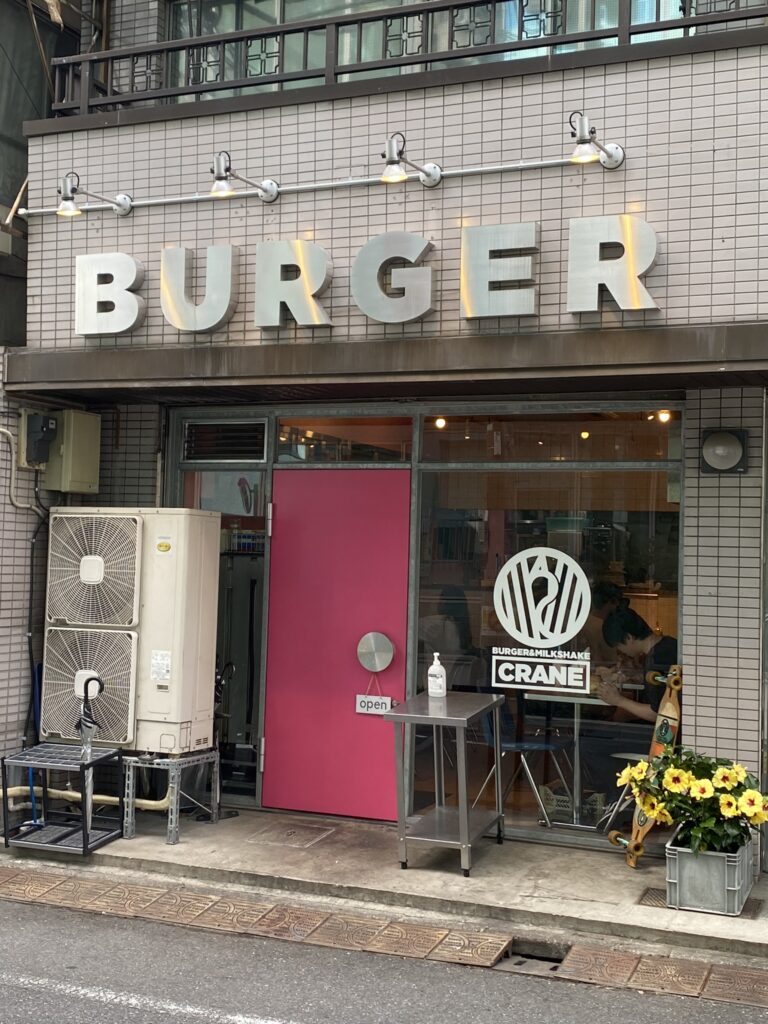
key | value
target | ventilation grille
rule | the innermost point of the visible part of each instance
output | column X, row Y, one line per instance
column 109, row 654
column 93, row 570
column 225, row 441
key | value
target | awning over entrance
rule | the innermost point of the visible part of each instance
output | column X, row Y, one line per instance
column 565, row 362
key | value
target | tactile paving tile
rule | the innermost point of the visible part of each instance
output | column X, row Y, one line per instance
column 663, row 974
column 127, row 900
column 407, row 939
column 597, row 966
column 75, row 893
column 27, row 886
column 482, row 949
column 178, row 907
column 293, row 923
column 346, row 931
column 228, row 915
column 737, row 985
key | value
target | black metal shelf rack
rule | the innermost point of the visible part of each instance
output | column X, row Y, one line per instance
column 62, row 829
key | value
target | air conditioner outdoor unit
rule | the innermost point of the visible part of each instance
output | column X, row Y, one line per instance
column 132, row 598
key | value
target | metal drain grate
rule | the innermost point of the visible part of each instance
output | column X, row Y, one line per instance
column 297, row 835
column 658, row 898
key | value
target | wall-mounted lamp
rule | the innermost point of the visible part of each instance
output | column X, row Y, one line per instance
column 724, row 450
column 70, row 185
column 224, row 174
column 588, row 149
column 394, row 172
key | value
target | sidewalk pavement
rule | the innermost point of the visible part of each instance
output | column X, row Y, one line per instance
column 530, row 886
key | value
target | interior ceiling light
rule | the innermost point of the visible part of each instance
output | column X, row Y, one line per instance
column 224, row 174
column 70, row 185
column 588, row 149
column 394, row 172
column 440, row 422
column 664, row 415
column 584, row 435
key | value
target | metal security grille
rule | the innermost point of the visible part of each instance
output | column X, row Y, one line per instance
column 217, row 441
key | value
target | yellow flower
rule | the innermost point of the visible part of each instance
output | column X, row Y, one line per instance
column 759, row 819
column 724, row 778
column 640, row 770
column 701, row 789
column 739, row 771
column 663, row 816
column 751, row 802
column 623, row 778
column 676, row 780
column 652, row 807
column 729, row 807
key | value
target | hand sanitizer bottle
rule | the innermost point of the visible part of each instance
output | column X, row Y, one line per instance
column 436, row 678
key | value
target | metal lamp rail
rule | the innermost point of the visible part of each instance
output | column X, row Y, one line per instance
column 250, row 193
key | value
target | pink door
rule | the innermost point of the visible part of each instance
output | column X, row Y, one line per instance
column 338, row 570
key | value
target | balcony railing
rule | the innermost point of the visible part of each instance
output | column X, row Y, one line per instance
column 422, row 37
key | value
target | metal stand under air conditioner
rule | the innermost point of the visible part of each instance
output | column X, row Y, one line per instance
column 174, row 766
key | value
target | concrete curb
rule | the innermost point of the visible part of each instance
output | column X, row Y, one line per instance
column 540, row 919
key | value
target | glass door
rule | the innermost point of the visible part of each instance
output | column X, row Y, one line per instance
column 239, row 495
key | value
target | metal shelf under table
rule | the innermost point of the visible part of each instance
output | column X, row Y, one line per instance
column 454, row 827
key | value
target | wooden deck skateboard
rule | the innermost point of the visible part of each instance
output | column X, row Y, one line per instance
column 665, row 733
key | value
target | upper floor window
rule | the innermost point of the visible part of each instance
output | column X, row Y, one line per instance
column 190, row 18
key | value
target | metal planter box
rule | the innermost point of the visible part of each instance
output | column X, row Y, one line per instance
column 715, row 883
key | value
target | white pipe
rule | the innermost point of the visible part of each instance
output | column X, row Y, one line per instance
column 317, row 186
column 12, row 489
column 72, row 794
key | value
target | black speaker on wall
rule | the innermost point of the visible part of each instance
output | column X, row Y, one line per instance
column 723, row 450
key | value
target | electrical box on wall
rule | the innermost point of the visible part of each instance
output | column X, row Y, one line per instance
column 37, row 431
column 73, row 462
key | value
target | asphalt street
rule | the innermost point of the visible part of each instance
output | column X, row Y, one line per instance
column 64, row 967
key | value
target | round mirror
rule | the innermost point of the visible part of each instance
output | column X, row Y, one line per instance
column 375, row 652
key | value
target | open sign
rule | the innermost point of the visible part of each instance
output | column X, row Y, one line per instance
column 372, row 704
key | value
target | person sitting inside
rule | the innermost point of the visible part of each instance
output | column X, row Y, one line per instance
column 606, row 599
column 631, row 635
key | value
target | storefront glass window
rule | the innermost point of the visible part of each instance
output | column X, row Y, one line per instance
column 239, row 495
column 345, row 439
column 588, row 437
column 622, row 526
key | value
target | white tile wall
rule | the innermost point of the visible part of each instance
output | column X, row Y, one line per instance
column 16, row 530
column 691, row 125
column 722, row 582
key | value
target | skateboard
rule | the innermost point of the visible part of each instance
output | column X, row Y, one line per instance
column 665, row 733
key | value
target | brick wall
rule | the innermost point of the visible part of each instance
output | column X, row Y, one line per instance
column 722, row 582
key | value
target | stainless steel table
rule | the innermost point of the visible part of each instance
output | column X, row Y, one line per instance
column 455, row 827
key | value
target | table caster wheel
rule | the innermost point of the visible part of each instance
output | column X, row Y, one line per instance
column 403, row 864
column 465, row 872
